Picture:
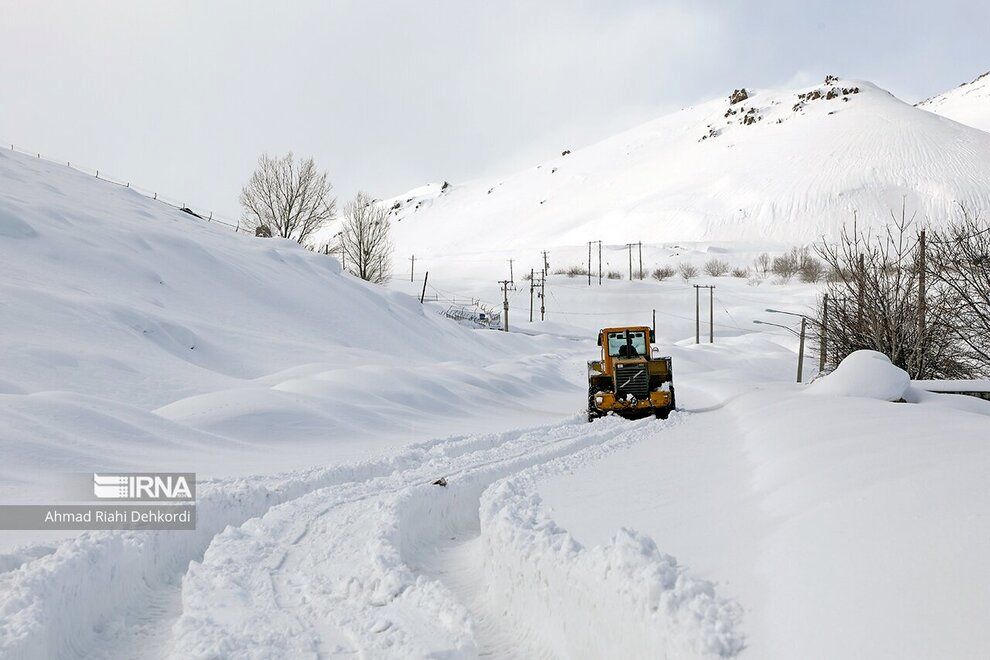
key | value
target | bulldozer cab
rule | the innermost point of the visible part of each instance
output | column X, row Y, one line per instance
column 625, row 344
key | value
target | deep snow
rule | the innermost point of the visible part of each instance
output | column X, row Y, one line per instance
column 138, row 337
column 765, row 518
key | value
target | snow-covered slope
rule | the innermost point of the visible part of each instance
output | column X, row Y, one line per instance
column 139, row 337
column 968, row 103
column 784, row 166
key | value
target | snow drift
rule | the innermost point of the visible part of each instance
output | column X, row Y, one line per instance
column 866, row 374
column 139, row 337
column 784, row 166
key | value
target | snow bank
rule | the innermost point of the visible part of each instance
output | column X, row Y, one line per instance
column 52, row 606
column 866, row 374
column 626, row 598
column 378, row 567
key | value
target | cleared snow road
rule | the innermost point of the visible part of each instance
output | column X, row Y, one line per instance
column 396, row 565
column 375, row 558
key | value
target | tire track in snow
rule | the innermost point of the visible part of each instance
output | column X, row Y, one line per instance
column 334, row 559
column 390, row 567
column 99, row 592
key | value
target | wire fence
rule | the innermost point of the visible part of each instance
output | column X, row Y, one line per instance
column 102, row 175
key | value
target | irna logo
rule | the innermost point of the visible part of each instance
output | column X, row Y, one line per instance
column 146, row 486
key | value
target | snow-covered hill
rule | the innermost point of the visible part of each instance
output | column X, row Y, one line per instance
column 138, row 337
column 968, row 103
column 782, row 166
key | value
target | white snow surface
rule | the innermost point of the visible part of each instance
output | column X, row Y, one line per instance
column 799, row 170
column 136, row 335
column 968, row 103
column 764, row 519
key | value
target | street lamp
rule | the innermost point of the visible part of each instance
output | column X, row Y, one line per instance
column 804, row 324
column 777, row 325
column 823, row 330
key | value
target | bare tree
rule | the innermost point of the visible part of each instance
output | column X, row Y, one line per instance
column 959, row 266
column 716, row 267
column 365, row 239
column 874, row 303
column 786, row 265
column 292, row 198
column 762, row 263
column 810, row 269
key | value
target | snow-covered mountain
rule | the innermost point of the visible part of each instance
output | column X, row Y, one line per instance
column 784, row 166
column 968, row 103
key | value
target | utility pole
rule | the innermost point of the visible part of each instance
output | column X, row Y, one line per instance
column 543, row 297
column 589, row 263
column 823, row 338
column 697, row 314
column 412, row 267
column 711, row 314
column 921, row 287
column 800, row 373
column 599, row 263
column 640, row 244
column 546, row 264
column 532, row 288
column 423, row 295
column 505, row 303
column 629, row 246
column 512, row 280
column 862, row 295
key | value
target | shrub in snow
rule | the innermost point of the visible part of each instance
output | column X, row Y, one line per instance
column 662, row 273
column 740, row 272
column 786, row 266
column 687, row 270
column 866, row 374
column 811, row 270
column 716, row 267
column 614, row 275
column 575, row 271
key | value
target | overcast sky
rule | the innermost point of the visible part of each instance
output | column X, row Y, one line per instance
column 182, row 97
